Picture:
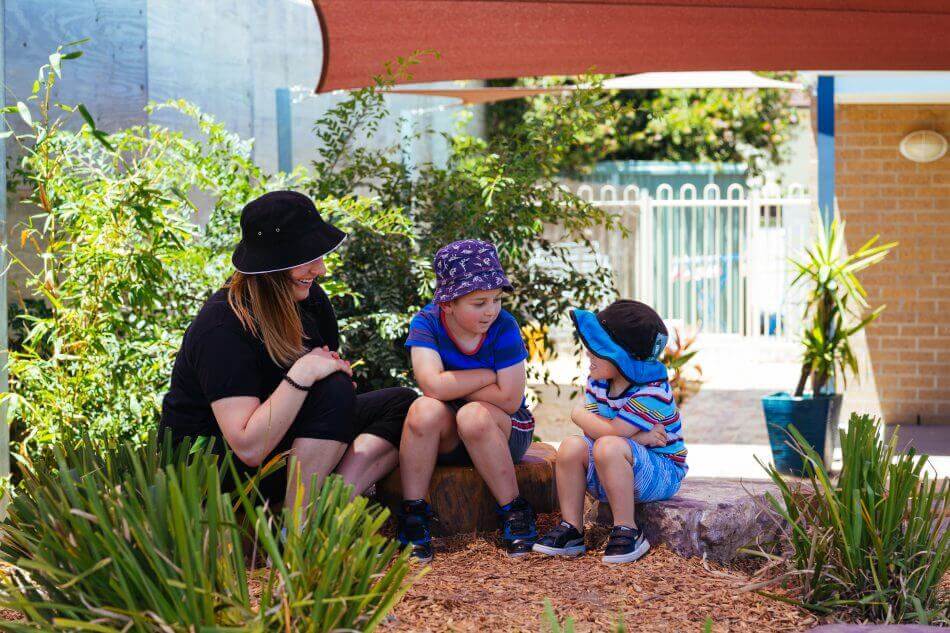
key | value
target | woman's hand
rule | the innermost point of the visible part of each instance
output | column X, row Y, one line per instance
column 316, row 365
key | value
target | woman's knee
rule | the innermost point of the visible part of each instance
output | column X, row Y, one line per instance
column 611, row 447
column 427, row 415
column 335, row 390
column 475, row 420
column 572, row 450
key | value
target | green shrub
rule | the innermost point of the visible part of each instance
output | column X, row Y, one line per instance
column 118, row 538
column 124, row 266
column 867, row 542
column 504, row 190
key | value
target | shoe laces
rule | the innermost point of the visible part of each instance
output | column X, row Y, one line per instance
column 416, row 525
column 518, row 518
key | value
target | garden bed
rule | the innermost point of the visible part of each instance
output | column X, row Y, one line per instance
column 472, row 586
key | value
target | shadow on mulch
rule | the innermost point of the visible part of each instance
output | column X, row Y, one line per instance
column 472, row 586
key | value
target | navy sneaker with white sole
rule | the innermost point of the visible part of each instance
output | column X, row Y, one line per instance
column 414, row 529
column 563, row 540
column 518, row 530
column 625, row 545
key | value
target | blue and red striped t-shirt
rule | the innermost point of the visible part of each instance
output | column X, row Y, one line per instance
column 642, row 406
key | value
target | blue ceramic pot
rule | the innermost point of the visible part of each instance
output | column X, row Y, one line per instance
column 816, row 418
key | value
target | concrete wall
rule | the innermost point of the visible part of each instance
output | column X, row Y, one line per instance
column 227, row 56
column 879, row 191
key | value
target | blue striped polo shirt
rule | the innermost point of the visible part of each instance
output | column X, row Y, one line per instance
column 642, row 406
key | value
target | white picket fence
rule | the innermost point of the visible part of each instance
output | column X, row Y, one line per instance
column 715, row 261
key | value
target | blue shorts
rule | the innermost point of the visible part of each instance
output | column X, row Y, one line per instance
column 655, row 477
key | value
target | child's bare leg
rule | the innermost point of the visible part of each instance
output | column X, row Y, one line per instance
column 429, row 430
column 614, row 460
column 571, row 474
column 484, row 429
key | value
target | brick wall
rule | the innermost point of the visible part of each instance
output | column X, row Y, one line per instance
column 879, row 191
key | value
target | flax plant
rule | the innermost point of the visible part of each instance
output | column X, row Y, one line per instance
column 868, row 543
column 125, row 538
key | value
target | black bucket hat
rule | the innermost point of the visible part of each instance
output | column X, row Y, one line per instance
column 281, row 230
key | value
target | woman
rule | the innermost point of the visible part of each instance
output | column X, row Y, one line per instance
column 258, row 367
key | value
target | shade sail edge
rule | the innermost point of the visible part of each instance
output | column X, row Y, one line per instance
column 514, row 39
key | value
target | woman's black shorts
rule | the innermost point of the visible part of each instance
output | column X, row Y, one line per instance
column 334, row 411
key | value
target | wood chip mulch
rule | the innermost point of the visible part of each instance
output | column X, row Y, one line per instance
column 473, row 586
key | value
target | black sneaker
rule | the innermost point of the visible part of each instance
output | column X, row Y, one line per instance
column 517, row 527
column 625, row 545
column 414, row 529
column 563, row 540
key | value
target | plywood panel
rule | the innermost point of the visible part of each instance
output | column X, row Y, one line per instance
column 201, row 52
column 110, row 77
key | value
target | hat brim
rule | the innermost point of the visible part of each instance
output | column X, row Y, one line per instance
column 461, row 286
column 595, row 338
column 303, row 250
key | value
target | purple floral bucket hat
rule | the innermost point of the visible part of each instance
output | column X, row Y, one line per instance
column 467, row 266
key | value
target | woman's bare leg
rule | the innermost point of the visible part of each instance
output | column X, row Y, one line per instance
column 366, row 461
column 310, row 458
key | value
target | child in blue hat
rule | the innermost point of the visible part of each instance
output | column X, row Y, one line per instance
column 469, row 360
column 632, row 449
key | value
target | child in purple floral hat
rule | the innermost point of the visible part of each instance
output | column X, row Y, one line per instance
column 469, row 360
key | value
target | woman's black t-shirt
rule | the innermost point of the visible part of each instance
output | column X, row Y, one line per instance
column 220, row 359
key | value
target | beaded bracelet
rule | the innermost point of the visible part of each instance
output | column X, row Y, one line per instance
column 295, row 384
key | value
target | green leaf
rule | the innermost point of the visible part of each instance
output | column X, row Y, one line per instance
column 86, row 116
column 24, row 113
column 103, row 139
column 54, row 62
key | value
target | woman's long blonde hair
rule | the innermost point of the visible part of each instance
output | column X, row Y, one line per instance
column 266, row 307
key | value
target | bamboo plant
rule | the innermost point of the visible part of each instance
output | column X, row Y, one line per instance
column 837, row 307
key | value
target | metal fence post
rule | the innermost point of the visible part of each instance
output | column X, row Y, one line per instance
column 4, row 382
column 645, row 255
column 285, row 135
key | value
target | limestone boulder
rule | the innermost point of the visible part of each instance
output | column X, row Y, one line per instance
column 711, row 517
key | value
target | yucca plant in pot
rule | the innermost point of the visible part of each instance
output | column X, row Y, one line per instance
column 836, row 309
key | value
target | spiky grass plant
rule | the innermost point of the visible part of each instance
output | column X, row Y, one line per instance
column 124, row 539
column 867, row 543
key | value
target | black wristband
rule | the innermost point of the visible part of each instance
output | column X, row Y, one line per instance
column 296, row 385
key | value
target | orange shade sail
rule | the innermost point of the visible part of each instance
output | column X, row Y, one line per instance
column 484, row 39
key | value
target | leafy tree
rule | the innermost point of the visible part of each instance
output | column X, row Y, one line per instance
column 502, row 189
column 706, row 125
column 124, row 265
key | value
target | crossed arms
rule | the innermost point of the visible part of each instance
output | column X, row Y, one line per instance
column 595, row 426
column 504, row 388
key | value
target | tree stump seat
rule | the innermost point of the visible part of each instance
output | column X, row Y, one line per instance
column 462, row 501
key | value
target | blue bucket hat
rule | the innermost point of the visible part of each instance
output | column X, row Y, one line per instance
column 629, row 334
column 467, row 266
